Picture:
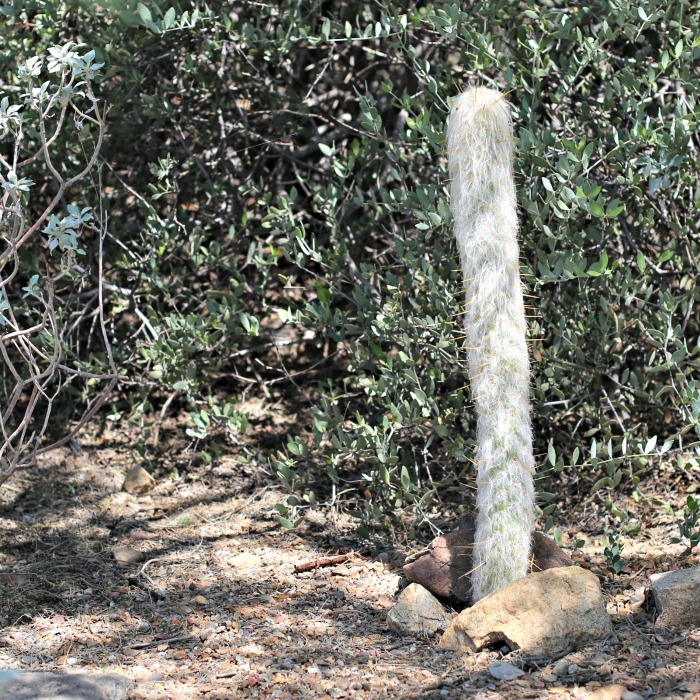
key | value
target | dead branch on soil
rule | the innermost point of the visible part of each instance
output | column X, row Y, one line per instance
column 318, row 563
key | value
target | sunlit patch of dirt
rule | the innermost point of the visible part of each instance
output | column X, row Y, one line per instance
column 215, row 608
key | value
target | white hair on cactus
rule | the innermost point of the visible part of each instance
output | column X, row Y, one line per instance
column 483, row 203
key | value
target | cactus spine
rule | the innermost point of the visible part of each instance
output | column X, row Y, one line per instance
column 483, row 203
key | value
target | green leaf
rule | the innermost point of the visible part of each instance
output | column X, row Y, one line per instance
column 599, row 268
column 641, row 262
column 284, row 522
column 596, row 209
column 169, row 18
column 144, row 13
column 405, row 479
column 601, row 483
column 614, row 209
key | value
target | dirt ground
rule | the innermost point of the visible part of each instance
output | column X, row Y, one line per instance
column 215, row 609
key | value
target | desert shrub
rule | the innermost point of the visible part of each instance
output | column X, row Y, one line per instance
column 47, row 299
column 277, row 175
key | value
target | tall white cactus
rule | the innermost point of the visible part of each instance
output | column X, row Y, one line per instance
column 480, row 150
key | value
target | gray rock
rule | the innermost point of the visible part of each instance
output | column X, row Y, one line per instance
column 504, row 672
column 54, row 685
column 677, row 597
column 542, row 614
column 124, row 556
column 417, row 613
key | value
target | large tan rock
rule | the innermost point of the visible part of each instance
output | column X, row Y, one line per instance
column 542, row 614
column 677, row 597
column 416, row 613
column 444, row 568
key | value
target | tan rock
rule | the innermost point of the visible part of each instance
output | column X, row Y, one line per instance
column 677, row 597
column 542, row 614
column 138, row 481
column 417, row 613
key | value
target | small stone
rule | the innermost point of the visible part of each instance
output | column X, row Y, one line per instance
column 416, row 613
column 504, row 672
column 138, row 481
column 608, row 692
column 205, row 633
column 548, row 677
column 542, row 614
column 245, row 561
column 598, row 660
column 124, row 556
column 631, row 695
column 677, row 597
column 561, row 668
column 199, row 600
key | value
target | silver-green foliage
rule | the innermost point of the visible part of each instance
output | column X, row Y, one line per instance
column 37, row 321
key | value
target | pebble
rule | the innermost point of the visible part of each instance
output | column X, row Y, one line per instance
column 138, row 481
column 245, row 561
column 127, row 555
column 205, row 633
column 608, row 692
column 504, row 672
column 561, row 668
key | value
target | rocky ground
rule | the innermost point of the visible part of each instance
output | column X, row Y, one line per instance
column 209, row 602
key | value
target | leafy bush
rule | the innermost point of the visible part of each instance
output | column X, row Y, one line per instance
column 40, row 326
column 278, row 180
